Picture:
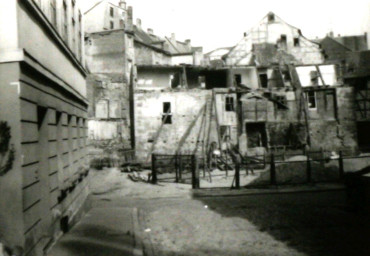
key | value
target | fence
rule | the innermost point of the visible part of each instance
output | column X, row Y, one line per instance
column 175, row 168
column 100, row 159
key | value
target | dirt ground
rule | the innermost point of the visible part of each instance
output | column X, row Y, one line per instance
column 176, row 223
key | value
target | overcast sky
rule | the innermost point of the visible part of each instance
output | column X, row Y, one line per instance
column 215, row 23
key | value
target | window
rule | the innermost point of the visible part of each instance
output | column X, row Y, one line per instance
column 283, row 41
column 65, row 21
column 286, row 76
column 229, row 104
column 237, row 79
column 271, row 17
column 111, row 11
column 283, row 102
column 111, row 25
column 73, row 34
column 263, row 80
column 296, row 41
column 41, row 114
column 311, row 99
column 167, row 115
column 121, row 24
column 53, row 13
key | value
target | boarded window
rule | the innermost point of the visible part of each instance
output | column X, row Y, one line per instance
column 311, row 99
column 167, row 115
column 101, row 109
column 263, row 80
column 114, row 109
column 229, row 103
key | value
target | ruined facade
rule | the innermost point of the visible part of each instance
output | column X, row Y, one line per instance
column 43, row 121
column 275, row 33
column 272, row 92
column 105, row 15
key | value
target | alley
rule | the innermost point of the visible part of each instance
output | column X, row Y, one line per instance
column 310, row 223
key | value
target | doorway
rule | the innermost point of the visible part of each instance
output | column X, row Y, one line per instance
column 256, row 135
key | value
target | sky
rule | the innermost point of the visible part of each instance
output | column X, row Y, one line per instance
column 214, row 23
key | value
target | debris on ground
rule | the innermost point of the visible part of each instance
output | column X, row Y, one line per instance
column 131, row 167
column 139, row 177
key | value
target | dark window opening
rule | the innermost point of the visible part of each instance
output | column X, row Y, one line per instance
column 363, row 137
column 296, row 41
column 167, row 115
column 121, row 24
column 237, row 79
column 286, row 76
column 271, row 17
column 256, row 135
column 283, row 41
column 41, row 113
column 111, row 25
column 283, row 102
column 263, row 80
column 58, row 117
column 111, row 11
column 229, row 104
column 311, row 99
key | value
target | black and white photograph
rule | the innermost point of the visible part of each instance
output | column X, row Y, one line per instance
column 184, row 128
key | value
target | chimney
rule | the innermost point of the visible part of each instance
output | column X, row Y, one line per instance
column 122, row 4
column 138, row 23
column 129, row 18
column 188, row 42
column 150, row 31
column 173, row 37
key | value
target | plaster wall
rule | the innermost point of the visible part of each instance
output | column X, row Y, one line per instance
column 183, row 59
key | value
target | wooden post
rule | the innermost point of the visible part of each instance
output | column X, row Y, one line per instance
column 272, row 170
column 177, row 168
column 154, row 171
column 341, row 168
column 237, row 172
column 309, row 170
column 180, row 167
column 195, row 172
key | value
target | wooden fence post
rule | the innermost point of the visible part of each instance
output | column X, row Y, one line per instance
column 272, row 170
column 154, row 170
column 309, row 169
column 341, row 168
column 237, row 172
column 195, row 172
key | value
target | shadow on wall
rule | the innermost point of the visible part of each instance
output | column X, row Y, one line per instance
column 315, row 223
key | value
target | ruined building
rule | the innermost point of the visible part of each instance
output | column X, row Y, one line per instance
column 270, row 92
column 113, row 57
column 43, row 122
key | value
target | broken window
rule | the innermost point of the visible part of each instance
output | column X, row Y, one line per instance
column 271, row 17
column 167, row 115
column 283, row 41
column 263, row 80
column 111, row 11
column 283, row 102
column 237, row 79
column 229, row 104
column 296, row 41
column 286, row 76
column 311, row 99
column 256, row 135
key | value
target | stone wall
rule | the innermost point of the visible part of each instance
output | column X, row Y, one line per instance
column 190, row 124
